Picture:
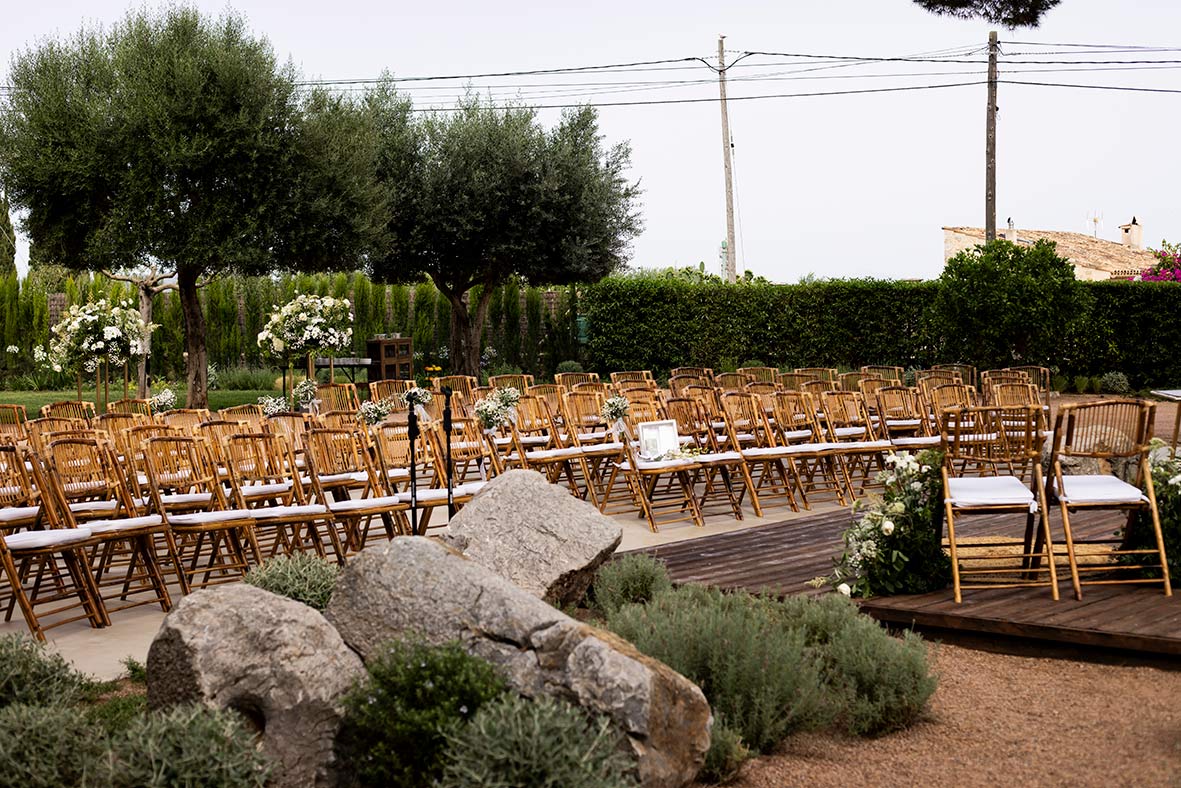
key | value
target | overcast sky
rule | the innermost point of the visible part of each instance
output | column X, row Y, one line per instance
column 835, row 186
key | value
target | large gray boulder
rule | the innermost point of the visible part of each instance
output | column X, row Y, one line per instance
column 415, row 586
column 1098, row 438
column 275, row 660
column 536, row 534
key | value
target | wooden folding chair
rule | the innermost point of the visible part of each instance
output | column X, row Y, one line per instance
column 1040, row 378
column 771, row 466
column 760, row 374
column 850, row 381
column 705, row 373
column 967, row 372
column 848, row 424
column 519, row 382
column 886, row 371
column 641, row 478
column 137, row 407
column 1114, row 431
column 12, row 424
column 37, row 429
column 46, row 569
column 568, row 380
column 905, row 420
column 559, row 461
column 338, row 463
column 994, row 377
column 642, row 376
column 818, row 373
column 182, row 476
column 678, row 384
column 996, row 439
column 719, row 470
column 338, row 397
column 792, row 381
column 249, row 414
column 114, row 423
column 185, row 419
column 389, row 389
column 818, row 387
column 264, row 479
column 819, row 464
column 732, row 381
column 68, row 409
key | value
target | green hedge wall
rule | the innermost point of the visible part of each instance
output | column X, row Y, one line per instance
column 648, row 323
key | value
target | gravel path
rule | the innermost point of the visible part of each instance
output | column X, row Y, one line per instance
column 1001, row 720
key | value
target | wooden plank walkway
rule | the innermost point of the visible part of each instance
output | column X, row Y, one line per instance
column 781, row 558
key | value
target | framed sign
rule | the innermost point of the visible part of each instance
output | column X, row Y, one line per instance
column 657, row 438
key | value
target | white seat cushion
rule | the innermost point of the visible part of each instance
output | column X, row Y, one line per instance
column 1099, row 489
column 125, row 524
column 362, row 504
column 398, row 473
column 769, row 452
column 355, row 477
column 210, row 518
column 613, row 447
column 990, row 491
column 656, row 465
column 94, row 506
column 904, row 422
column 719, row 457
column 33, row 540
column 919, row 441
column 277, row 512
column 849, row 432
column 810, row 448
column 797, row 435
column 554, row 454
column 265, row 490
column 866, row 446
column 14, row 514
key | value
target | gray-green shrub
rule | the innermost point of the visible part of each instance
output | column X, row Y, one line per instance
column 304, row 577
column 725, row 756
column 759, row 677
column 247, row 378
column 878, row 682
column 1114, row 383
column 185, row 746
column 48, row 747
column 569, row 366
column 33, row 675
column 542, row 743
column 634, row 578
column 396, row 721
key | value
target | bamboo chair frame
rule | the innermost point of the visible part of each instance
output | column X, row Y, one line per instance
column 968, row 373
column 1107, row 430
column 338, row 463
column 792, row 381
column 519, row 382
column 568, row 380
column 847, row 424
column 760, row 374
column 12, row 424
column 818, row 373
column 460, row 384
column 641, row 478
column 141, row 407
column 185, row 419
column 249, row 414
column 338, row 396
column 678, row 384
column 886, row 371
column 388, row 389
column 732, row 381
column 718, row 468
column 69, row 409
column 772, row 467
column 706, row 373
column 991, row 437
column 814, row 456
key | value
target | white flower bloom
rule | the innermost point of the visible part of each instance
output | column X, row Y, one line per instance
column 887, row 527
column 844, row 590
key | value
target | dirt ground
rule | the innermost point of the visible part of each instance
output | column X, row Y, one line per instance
column 1002, row 720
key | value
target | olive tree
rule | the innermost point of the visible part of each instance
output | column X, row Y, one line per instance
column 177, row 142
column 484, row 193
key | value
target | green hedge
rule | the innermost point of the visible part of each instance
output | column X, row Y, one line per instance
column 645, row 323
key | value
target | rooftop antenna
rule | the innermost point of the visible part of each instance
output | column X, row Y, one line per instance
column 1095, row 218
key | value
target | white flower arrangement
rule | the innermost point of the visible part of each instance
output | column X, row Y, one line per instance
column 90, row 334
column 12, row 349
column 272, row 405
column 615, row 408
column 416, row 397
column 374, row 411
column 305, row 392
column 165, row 400
column 508, row 396
column 491, row 412
column 308, row 323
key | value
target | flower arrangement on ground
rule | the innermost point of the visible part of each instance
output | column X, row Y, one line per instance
column 308, row 323
column 90, row 334
column 895, row 545
column 491, row 413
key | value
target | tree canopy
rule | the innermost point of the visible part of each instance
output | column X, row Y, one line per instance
column 7, row 239
column 485, row 193
column 1022, row 303
column 178, row 141
column 1010, row 13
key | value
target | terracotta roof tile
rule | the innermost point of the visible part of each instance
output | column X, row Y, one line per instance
column 1083, row 250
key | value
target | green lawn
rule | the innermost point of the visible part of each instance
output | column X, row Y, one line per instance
column 33, row 400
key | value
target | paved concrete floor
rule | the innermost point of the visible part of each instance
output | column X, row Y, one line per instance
column 101, row 652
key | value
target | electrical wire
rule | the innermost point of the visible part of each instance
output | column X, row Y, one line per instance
column 1088, row 87
column 951, row 60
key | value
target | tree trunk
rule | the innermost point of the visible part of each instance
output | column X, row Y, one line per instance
column 196, row 358
column 146, row 292
column 465, row 332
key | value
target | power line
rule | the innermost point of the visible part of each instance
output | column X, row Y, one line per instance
column 532, row 72
column 1130, row 47
column 1089, row 87
column 951, row 60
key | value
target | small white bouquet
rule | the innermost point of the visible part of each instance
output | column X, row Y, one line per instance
column 374, row 411
column 272, row 405
column 508, row 396
column 416, row 397
column 491, row 413
column 305, row 392
column 613, row 412
column 165, row 400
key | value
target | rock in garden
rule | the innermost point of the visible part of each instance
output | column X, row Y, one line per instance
column 275, row 660
column 1097, row 438
column 415, row 586
column 536, row 534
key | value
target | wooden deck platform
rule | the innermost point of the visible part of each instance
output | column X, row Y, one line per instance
column 782, row 558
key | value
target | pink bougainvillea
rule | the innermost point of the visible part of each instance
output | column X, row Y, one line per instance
column 1168, row 266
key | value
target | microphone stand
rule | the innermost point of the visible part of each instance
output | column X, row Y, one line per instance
column 447, row 432
column 412, row 434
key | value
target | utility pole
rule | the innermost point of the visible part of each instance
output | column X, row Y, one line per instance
column 731, row 268
column 990, row 145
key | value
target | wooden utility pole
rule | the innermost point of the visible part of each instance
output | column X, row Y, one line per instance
column 990, row 145
column 731, row 268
